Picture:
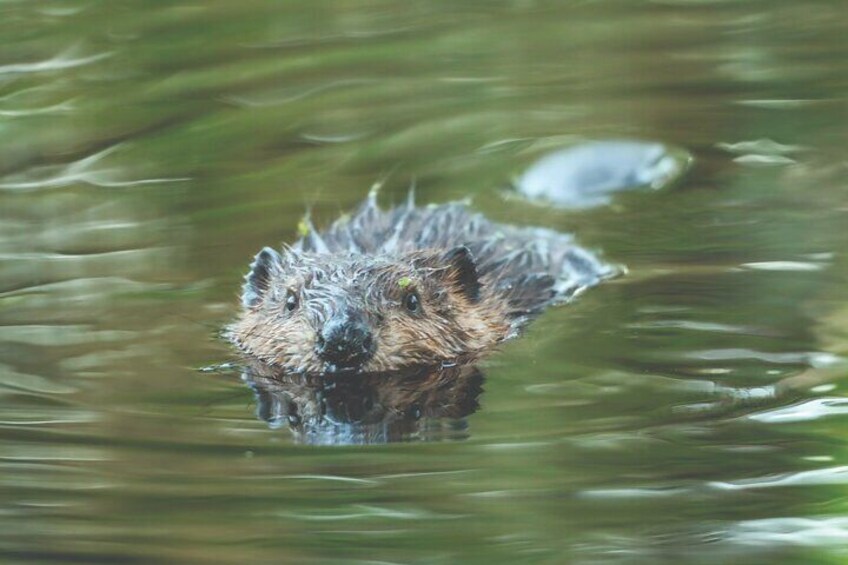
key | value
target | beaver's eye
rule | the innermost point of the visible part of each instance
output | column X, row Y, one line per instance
column 291, row 301
column 411, row 302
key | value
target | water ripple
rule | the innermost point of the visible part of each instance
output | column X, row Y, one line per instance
column 330, row 478
column 764, row 160
column 77, row 172
column 53, row 452
column 85, row 288
column 778, row 103
column 732, row 354
column 63, row 477
column 28, row 419
column 826, row 476
column 762, row 146
column 763, row 152
column 784, row 266
column 263, row 102
column 811, row 410
column 699, row 326
column 12, row 379
column 790, row 530
column 619, row 493
column 313, row 40
column 368, row 511
column 61, row 107
column 65, row 60
column 60, row 334
column 332, row 139
column 425, row 474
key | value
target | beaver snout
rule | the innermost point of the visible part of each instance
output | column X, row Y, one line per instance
column 345, row 342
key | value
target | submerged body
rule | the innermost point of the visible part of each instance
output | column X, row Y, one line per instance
column 406, row 287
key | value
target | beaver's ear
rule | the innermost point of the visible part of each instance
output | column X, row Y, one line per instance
column 257, row 281
column 461, row 271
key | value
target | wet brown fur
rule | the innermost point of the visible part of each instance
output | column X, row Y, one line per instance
column 478, row 283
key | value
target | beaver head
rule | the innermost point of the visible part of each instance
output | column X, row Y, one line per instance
column 346, row 312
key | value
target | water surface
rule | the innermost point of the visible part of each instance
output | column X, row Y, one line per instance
column 691, row 412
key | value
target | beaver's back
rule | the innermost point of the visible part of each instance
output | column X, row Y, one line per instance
column 529, row 267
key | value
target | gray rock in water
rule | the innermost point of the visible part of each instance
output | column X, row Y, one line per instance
column 590, row 174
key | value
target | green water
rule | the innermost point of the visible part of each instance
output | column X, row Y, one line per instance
column 149, row 149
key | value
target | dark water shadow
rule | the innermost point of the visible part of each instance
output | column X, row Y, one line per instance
column 426, row 404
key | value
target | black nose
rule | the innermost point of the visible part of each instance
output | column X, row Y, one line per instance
column 345, row 341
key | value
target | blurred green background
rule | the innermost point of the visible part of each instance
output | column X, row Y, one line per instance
column 149, row 149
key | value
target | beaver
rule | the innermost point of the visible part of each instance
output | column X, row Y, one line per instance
column 385, row 290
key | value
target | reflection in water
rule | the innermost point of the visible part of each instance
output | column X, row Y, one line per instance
column 367, row 408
